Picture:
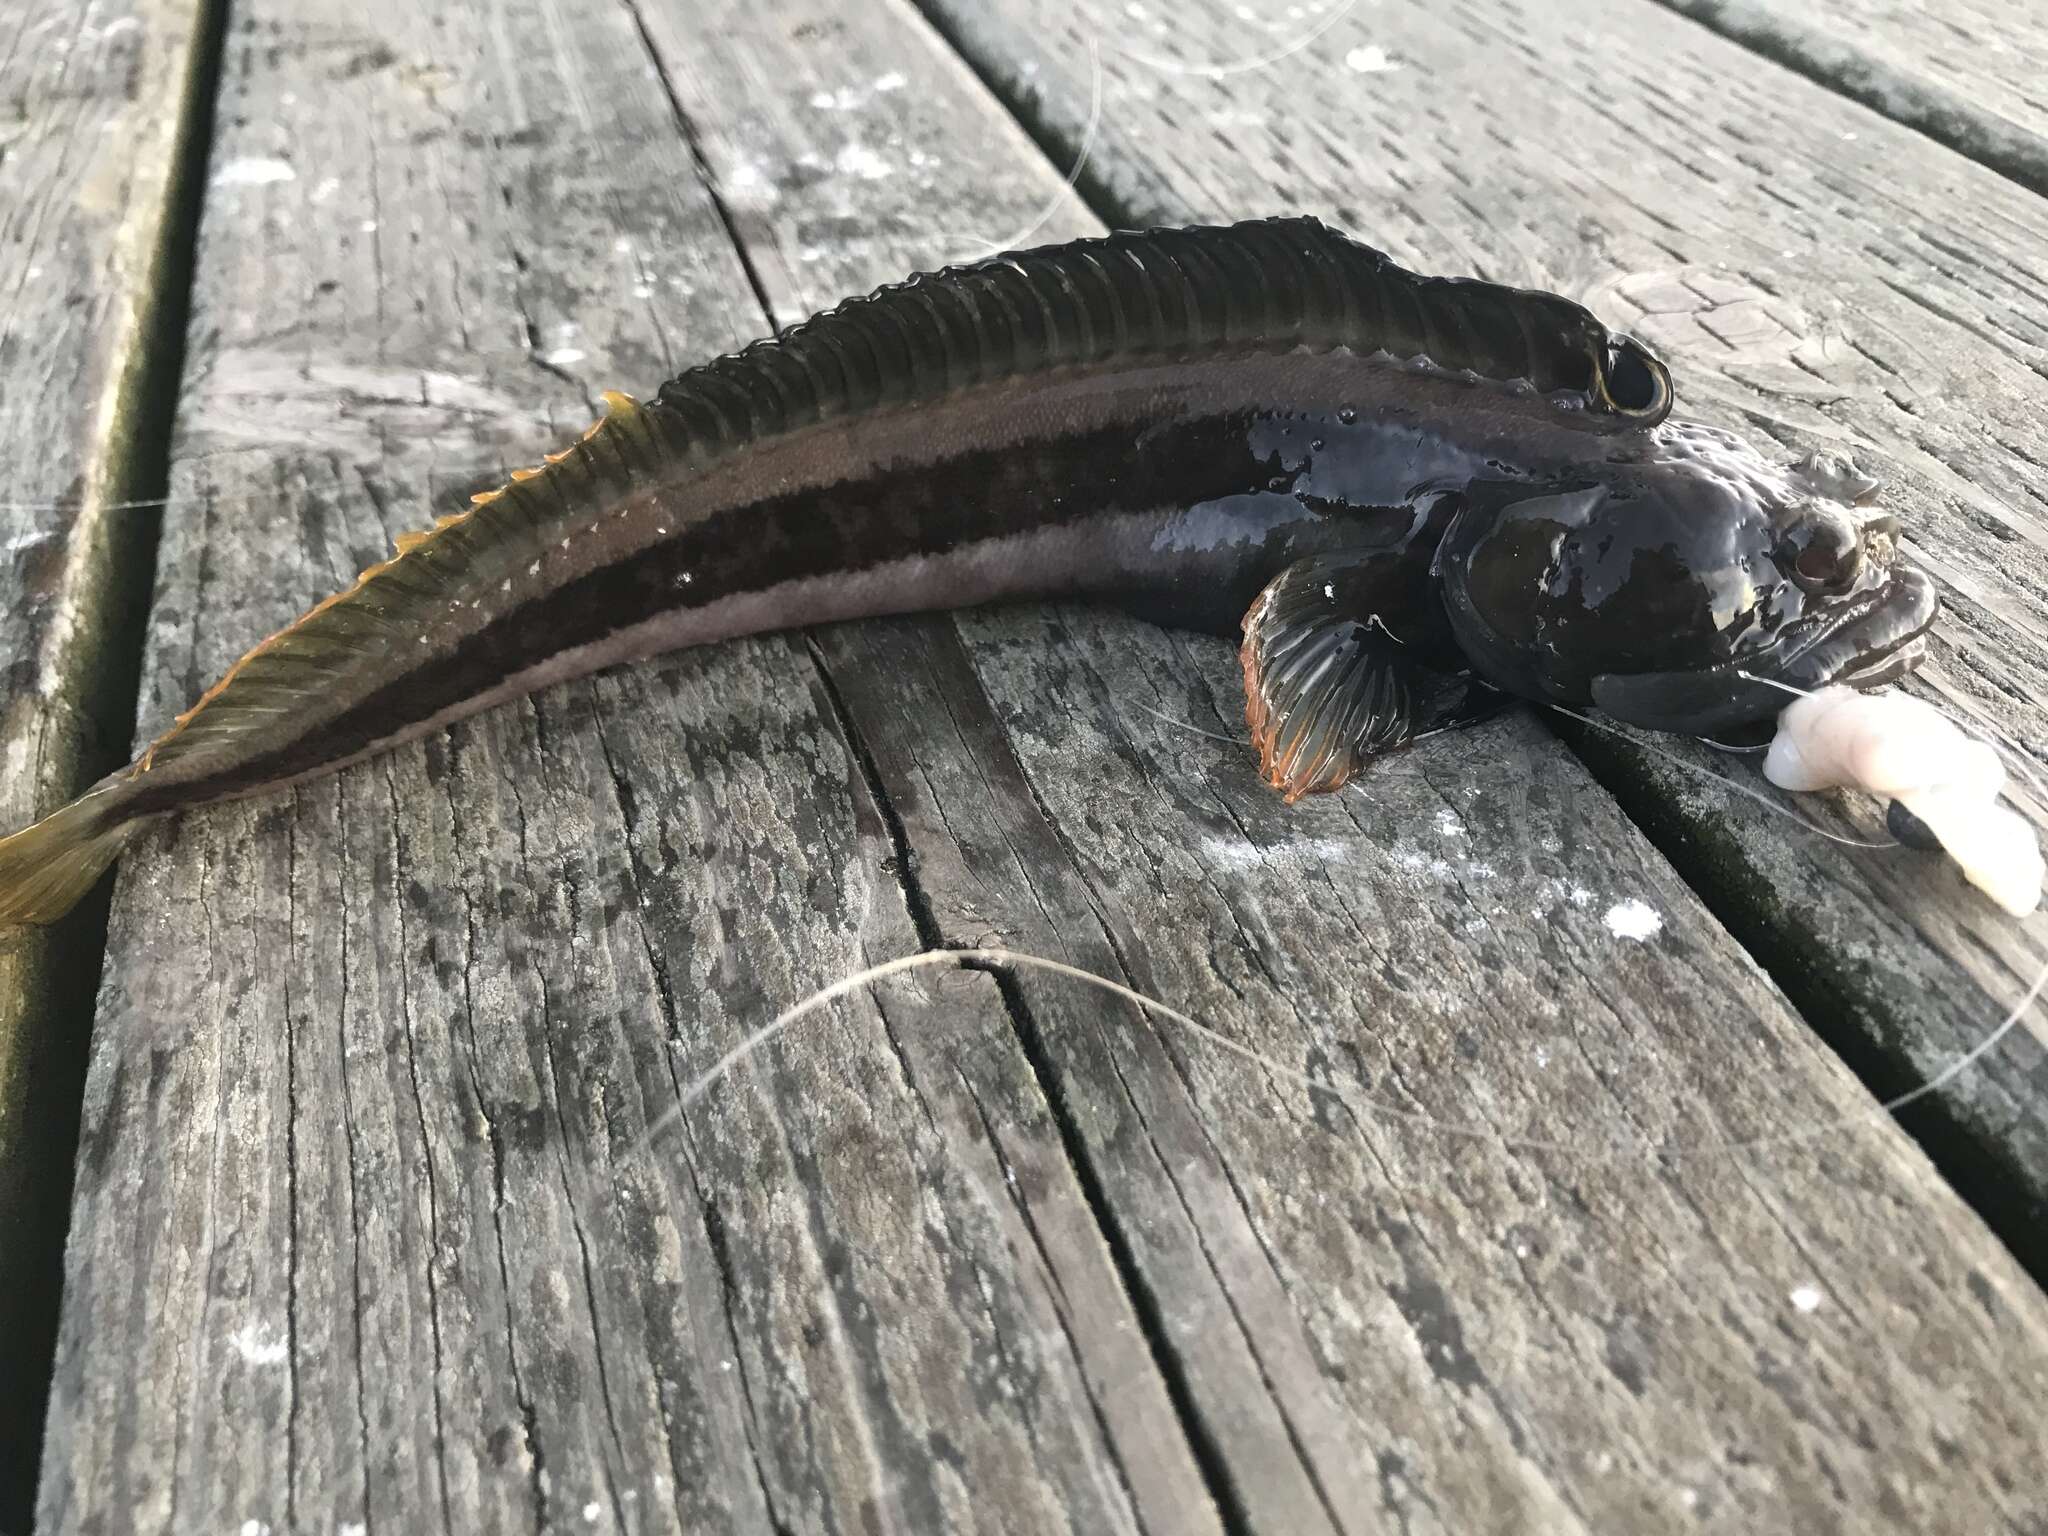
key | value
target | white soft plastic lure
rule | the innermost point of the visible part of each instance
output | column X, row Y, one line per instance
column 1898, row 748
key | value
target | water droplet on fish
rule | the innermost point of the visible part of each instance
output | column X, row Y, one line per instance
column 1348, row 416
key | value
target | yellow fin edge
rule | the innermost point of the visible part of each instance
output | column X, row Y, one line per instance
column 616, row 402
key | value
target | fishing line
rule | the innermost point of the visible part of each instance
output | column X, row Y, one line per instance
column 2008, row 749
column 1187, row 725
column 1630, row 737
column 2018, row 761
column 1753, row 793
column 102, row 506
column 1217, row 70
column 1364, row 1104
column 1059, row 195
column 1220, row 71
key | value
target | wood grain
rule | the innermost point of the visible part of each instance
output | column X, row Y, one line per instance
column 369, row 1231
column 372, row 1228
column 91, row 99
column 1964, row 72
column 1585, row 1312
column 1818, row 277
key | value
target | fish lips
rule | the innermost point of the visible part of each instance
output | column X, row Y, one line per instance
column 1873, row 642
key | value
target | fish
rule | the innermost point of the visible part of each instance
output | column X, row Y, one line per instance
column 1413, row 499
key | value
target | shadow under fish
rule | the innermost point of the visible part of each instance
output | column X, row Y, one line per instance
column 1417, row 498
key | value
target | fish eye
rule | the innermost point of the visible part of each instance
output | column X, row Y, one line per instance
column 1824, row 554
column 1634, row 381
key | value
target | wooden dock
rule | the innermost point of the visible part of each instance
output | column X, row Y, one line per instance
column 346, row 1182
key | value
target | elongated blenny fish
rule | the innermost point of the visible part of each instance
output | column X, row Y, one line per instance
column 1417, row 498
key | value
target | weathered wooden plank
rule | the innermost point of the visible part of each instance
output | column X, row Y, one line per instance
column 369, row 1233
column 91, row 99
column 1965, row 72
column 1574, row 1316
column 1816, row 274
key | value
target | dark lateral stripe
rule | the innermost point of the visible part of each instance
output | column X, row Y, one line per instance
column 1202, row 297
column 846, row 531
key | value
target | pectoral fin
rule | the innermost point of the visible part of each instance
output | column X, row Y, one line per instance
column 1328, row 685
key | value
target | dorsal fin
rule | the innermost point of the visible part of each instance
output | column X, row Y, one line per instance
column 391, row 601
column 1273, row 284
column 1270, row 283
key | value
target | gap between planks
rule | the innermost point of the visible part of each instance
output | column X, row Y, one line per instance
column 57, row 971
column 1980, row 1166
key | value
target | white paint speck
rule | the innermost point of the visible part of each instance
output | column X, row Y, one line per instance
column 368, row 226
column 1237, row 853
column 1806, row 1298
column 1447, row 823
column 329, row 185
column 1633, row 919
column 562, row 357
column 255, row 1528
column 253, row 171
column 591, row 1512
column 892, row 81
column 748, row 185
column 352, row 1528
column 255, row 1347
column 845, row 99
column 859, row 160
column 1370, row 60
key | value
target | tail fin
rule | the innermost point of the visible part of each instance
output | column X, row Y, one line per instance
column 45, row 870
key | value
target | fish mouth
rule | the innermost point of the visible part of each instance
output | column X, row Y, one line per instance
column 1878, row 637
column 1878, row 640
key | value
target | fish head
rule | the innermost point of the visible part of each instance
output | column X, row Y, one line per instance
column 1683, row 582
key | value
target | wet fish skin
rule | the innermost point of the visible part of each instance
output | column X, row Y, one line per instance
column 1167, row 420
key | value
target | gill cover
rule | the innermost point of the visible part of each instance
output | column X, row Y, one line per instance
column 1578, row 593
column 1502, row 571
